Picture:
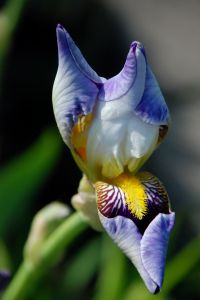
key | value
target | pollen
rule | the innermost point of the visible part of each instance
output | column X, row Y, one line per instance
column 135, row 196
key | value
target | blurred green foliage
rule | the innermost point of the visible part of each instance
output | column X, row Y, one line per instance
column 21, row 178
column 95, row 268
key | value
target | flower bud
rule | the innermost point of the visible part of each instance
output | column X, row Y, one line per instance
column 85, row 202
column 44, row 223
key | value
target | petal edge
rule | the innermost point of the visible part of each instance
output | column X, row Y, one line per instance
column 127, row 236
column 154, row 246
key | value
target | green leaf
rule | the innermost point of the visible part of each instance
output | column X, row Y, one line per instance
column 5, row 260
column 182, row 264
column 82, row 268
column 112, row 275
column 21, row 178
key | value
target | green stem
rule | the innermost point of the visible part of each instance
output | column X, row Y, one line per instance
column 111, row 278
column 28, row 273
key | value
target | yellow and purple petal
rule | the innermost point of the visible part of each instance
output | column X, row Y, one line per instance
column 136, row 214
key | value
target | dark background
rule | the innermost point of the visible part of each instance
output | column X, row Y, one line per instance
column 103, row 30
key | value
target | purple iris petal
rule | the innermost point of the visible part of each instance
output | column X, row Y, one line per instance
column 143, row 239
column 130, row 79
column 152, row 108
column 111, row 200
column 147, row 252
column 65, row 44
column 118, row 85
column 76, row 85
column 138, row 82
column 154, row 246
column 126, row 235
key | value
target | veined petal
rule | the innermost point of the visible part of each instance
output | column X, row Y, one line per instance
column 154, row 246
column 152, row 108
column 140, row 198
column 128, row 85
column 76, row 85
column 135, row 212
column 137, row 86
column 127, row 236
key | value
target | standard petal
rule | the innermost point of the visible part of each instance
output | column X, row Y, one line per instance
column 152, row 108
column 128, row 85
column 137, row 86
column 75, row 88
column 127, row 236
column 118, row 139
column 154, row 246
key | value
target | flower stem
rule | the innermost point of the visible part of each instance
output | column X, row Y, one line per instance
column 29, row 273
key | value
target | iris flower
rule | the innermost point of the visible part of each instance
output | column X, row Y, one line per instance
column 112, row 127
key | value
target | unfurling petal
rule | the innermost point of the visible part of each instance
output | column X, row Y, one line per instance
column 154, row 246
column 128, row 85
column 75, row 88
column 127, row 236
column 152, row 108
column 125, row 130
column 108, row 124
column 135, row 212
column 137, row 86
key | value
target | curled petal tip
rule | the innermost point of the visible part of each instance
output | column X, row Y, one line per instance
column 134, row 45
column 137, row 45
column 59, row 26
column 130, row 81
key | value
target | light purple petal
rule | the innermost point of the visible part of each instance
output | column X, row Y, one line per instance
column 152, row 108
column 76, row 85
column 137, row 86
column 130, row 80
column 127, row 236
column 65, row 44
column 154, row 246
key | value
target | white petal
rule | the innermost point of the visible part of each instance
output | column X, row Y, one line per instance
column 118, row 138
